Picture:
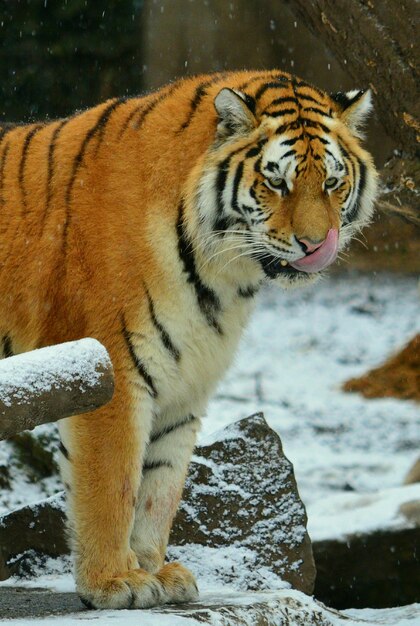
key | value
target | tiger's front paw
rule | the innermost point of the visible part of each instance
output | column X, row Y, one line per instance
column 138, row 589
column 135, row 589
column 178, row 582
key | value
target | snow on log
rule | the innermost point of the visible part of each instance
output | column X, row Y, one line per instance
column 51, row 383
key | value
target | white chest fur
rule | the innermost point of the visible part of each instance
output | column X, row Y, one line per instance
column 205, row 350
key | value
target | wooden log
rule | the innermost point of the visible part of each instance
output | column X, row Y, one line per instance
column 51, row 383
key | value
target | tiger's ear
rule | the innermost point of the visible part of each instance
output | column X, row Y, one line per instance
column 236, row 113
column 354, row 108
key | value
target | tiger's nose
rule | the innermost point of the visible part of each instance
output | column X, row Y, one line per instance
column 309, row 245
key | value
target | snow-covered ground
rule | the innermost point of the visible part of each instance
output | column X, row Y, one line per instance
column 300, row 347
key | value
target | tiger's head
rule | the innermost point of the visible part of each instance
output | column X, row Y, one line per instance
column 286, row 181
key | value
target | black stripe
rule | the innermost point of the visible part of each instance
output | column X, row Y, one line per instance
column 271, row 166
column 302, row 166
column 51, row 149
column 253, row 152
column 252, row 190
column 289, row 126
column 304, row 96
column 302, row 83
column 347, row 159
column 169, row 429
column 157, row 465
column 250, row 103
column 222, row 223
column 280, row 113
column 236, row 182
column 2, row 168
column 164, row 336
column 7, row 347
column 257, row 165
column 315, row 124
column 144, row 110
column 316, row 110
column 343, row 149
column 207, row 300
column 287, row 154
column 256, row 79
column 139, row 365
column 199, row 94
column 64, row 450
column 360, row 190
column 98, row 127
column 104, row 119
column 152, row 105
column 248, row 292
column 222, row 172
column 270, row 85
column 23, row 158
column 277, row 101
column 129, row 118
column 321, row 139
column 292, row 141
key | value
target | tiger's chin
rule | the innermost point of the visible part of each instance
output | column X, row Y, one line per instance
column 297, row 279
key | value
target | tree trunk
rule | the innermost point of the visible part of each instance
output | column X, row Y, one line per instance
column 376, row 41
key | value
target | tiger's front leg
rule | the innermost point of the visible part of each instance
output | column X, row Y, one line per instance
column 101, row 469
column 165, row 466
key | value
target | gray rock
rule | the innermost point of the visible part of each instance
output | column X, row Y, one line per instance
column 30, row 534
column 241, row 491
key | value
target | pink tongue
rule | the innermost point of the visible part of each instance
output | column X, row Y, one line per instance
column 322, row 257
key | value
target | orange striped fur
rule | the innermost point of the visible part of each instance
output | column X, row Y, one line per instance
column 150, row 223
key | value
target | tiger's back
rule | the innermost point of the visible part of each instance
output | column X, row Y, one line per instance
column 150, row 223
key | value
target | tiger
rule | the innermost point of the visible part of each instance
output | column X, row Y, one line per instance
column 151, row 223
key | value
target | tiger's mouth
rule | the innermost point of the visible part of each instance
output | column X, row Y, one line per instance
column 273, row 267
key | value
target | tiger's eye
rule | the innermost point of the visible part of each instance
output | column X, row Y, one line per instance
column 330, row 182
column 278, row 183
